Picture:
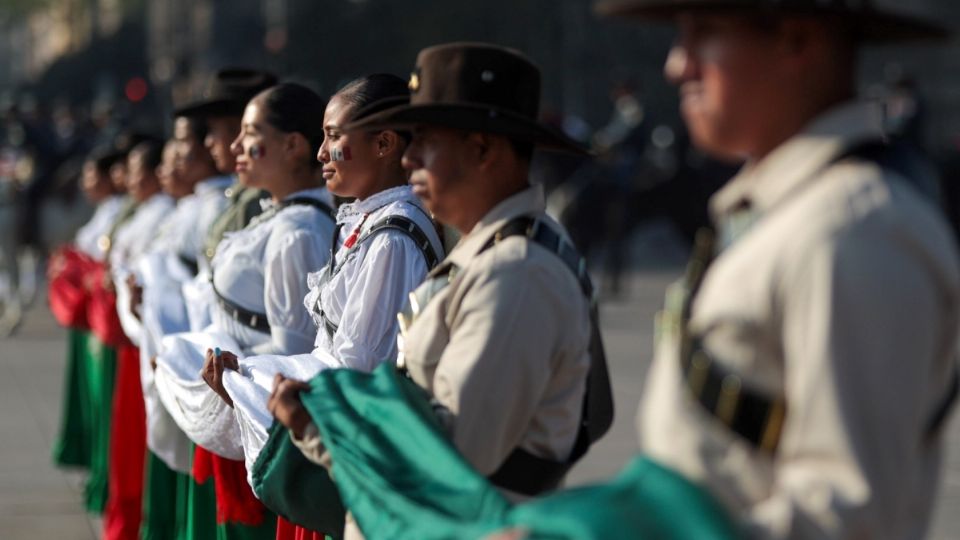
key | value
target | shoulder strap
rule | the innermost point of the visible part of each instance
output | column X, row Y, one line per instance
column 523, row 472
column 902, row 159
column 398, row 223
column 323, row 207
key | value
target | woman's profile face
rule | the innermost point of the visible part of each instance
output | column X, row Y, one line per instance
column 258, row 149
column 349, row 158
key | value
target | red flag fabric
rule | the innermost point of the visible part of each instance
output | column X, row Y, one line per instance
column 102, row 307
column 67, row 291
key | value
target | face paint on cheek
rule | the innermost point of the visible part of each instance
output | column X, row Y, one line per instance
column 257, row 151
column 340, row 154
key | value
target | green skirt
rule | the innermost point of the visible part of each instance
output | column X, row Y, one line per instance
column 100, row 374
column 199, row 509
column 401, row 477
column 162, row 499
column 72, row 448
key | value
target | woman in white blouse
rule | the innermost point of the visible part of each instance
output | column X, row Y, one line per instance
column 386, row 243
column 259, row 273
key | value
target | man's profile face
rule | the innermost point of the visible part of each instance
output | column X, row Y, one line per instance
column 221, row 131
column 436, row 161
column 724, row 66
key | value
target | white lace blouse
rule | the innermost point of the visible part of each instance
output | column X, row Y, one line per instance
column 263, row 268
column 363, row 298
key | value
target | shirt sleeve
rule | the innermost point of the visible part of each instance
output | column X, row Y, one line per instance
column 289, row 257
column 367, row 334
column 506, row 337
column 312, row 447
column 863, row 335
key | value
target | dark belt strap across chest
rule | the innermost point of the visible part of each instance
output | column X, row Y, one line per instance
column 254, row 319
column 756, row 416
column 401, row 224
column 523, row 472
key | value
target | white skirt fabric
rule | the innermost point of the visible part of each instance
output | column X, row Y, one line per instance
column 163, row 313
column 250, row 389
column 199, row 412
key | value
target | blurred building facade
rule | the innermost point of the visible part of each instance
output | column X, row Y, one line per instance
column 87, row 50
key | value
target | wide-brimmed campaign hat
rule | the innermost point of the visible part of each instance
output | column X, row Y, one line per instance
column 228, row 92
column 473, row 87
column 871, row 22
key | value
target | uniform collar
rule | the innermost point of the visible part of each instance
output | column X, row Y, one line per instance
column 321, row 194
column 529, row 201
column 213, row 184
column 796, row 162
column 376, row 201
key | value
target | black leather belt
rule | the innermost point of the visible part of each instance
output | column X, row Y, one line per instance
column 246, row 317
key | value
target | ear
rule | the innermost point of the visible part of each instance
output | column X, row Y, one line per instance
column 388, row 142
column 480, row 149
column 295, row 144
column 488, row 149
column 797, row 40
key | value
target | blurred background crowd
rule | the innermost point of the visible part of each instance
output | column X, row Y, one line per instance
column 76, row 74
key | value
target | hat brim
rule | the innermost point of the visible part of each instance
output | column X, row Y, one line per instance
column 211, row 108
column 872, row 25
column 469, row 117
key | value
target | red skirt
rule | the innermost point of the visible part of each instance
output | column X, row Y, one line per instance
column 236, row 502
column 128, row 450
column 289, row 531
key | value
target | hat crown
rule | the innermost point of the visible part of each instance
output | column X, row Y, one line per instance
column 238, row 84
column 478, row 75
column 871, row 21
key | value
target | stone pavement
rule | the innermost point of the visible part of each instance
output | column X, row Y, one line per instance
column 38, row 501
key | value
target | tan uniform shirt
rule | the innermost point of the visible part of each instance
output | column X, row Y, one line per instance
column 842, row 298
column 504, row 346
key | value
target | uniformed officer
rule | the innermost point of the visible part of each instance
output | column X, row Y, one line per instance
column 222, row 107
column 802, row 374
column 499, row 332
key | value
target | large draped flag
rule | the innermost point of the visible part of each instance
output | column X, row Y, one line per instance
column 399, row 475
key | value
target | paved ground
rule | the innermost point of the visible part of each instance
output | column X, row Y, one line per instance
column 38, row 501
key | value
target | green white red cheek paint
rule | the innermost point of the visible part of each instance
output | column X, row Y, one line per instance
column 257, row 151
column 340, row 154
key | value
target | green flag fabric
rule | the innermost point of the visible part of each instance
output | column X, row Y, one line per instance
column 295, row 488
column 400, row 476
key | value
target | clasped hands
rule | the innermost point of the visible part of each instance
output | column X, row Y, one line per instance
column 284, row 402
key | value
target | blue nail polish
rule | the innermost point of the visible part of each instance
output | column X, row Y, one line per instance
column 216, row 352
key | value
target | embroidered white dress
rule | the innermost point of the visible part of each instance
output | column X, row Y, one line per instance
column 362, row 298
column 130, row 243
column 162, row 272
column 88, row 237
column 263, row 269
